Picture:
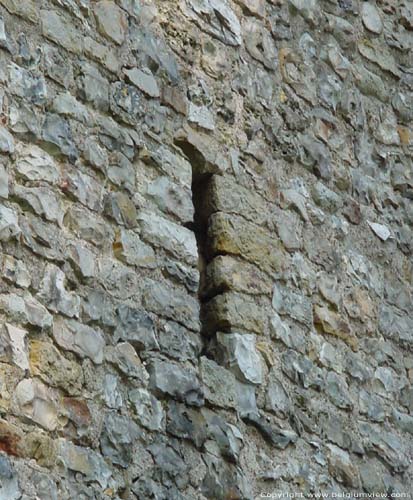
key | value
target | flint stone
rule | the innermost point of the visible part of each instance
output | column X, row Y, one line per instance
column 129, row 248
column 371, row 18
column 255, row 7
column 27, row 9
column 56, row 297
column 119, row 206
column 58, row 133
column 118, row 436
column 120, row 281
column 124, row 356
column 170, row 463
column 220, row 385
column 201, row 116
column 112, row 21
column 332, row 324
column 277, row 399
column 144, row 80
column 172, row 303
column 25, row 84
column 372, row 406
column 9, row 224
column 38, row 403
column 291, row 336
column 135, row 327
column 337, row 390
column 43, row 201
column 61, row 31
column 241, row 356
column 67, row 105
column 222, row 22
column 287, row 302
column 9, row 486
column 301, row 370
column 57, row 67
column 83, row 260
column 111, row 394
column 148, row 409
column 177, row 342
column 26, row 309
column 81, row 339
column 6, row 141
column 386, row 445
column 84, row 460
column 93, row 87
column 95, row 154
column 171, row 198
column 380, row 230
column 83, row 187
column 403, row 421
column 15, row 271
column 228, row 437
column 341, row 467
column 309, row 9
column 34, row 164
column 176, row 381
column 18, row 344
column 177, row 240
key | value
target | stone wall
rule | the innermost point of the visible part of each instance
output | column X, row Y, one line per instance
column 206, row 238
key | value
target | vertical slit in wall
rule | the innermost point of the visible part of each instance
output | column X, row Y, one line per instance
column 200, row 181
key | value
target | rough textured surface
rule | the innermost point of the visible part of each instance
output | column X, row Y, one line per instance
column 206, row 249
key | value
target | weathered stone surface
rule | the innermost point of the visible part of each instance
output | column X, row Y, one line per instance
column 34, row 164
column 221, row 387
column 148, row 409
column 144, row 80
column 9, row 224
column 112, row 21
column 235, row 236
column 233, row 311
column 6, row 141
column 173, row 304
column 81, row 339
column 332, row 324
column 26, row 309
column 176, row 381
column 59, row 30
column 55, row 295
column 161, row 232
column 288, row 302
column 129, row 248
column 371, row 17
column 241, row 356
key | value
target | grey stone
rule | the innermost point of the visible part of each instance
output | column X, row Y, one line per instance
column 277, row 399
column 4, row 182
column 371, row 18
column 341, row 467
column 83, row 187
column 27, row 85
column 301, row 370
column 81, row 339
column 15, row 271
column 111, row 394
column 6, row 141
column 176, row 239
column 144, row 80
column 84, row 460
column 148, row 409
column 176, row 381
column 124, row 356
column 171, row 198
column 9, row 224
column 337, row 390
column 119, row 206
column 136, row 327
column 67, row 105
column 178, row 342
column 59, row 30
column 221, row 21
column 241, row 356
column 117, row 439
column 380, row 230
column 112, row 21
column 288, row 302
column 93, row 87
column 119, row 280
column 43, row 201
column 220, row 385
column 57, row 132
column 9, row 486
column 201, row 116
column 95, row 154
column 403, row 421
column 34, row 164
column 83, row 260
column 126, row 102
column 54, row 294
column 308, row 9
column 130, row 249
column 57, row 67
column 26, row 309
